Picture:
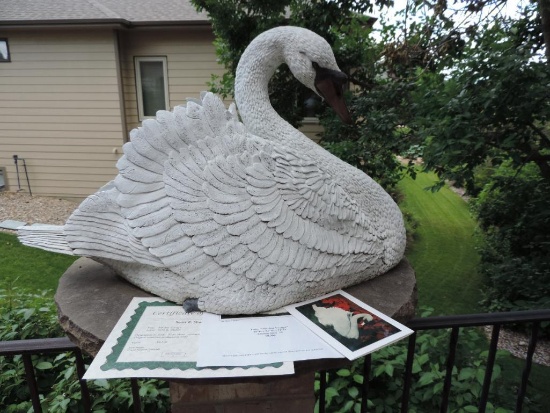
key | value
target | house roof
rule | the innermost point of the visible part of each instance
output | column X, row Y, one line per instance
column 126, row 12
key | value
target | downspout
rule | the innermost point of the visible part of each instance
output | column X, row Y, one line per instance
column 122, row 100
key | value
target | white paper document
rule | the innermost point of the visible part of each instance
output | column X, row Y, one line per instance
column 155, row 338
column 242, row 341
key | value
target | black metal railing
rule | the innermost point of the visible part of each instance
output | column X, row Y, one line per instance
column 496, row 320
column 27, row 348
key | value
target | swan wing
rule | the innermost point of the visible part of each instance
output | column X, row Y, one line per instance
column 200, row 196
column 129, row 217
column 262, row 213
column 149, row 193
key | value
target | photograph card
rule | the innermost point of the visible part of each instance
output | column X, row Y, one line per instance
column 347, row 324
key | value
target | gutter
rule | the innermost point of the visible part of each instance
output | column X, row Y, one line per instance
column 103, row 22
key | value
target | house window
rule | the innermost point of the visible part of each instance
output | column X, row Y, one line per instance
column 152, row 85
column 4, row 51
column 2, row 178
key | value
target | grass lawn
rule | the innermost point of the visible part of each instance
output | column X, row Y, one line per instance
column 443, row 253
column 445, row 259
column 30, row 268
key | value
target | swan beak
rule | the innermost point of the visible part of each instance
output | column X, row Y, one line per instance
column 330, row 85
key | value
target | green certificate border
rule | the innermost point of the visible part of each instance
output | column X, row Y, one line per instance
column 111, row 362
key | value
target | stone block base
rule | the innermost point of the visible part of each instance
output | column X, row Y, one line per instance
column 288, row 394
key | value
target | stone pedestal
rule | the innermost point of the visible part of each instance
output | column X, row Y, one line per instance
column 288, row 394
column 91, row 298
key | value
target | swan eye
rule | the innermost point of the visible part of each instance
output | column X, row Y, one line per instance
column 315, row 65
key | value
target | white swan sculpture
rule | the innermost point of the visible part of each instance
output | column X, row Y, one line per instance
column 240, row 218
column 343, row 322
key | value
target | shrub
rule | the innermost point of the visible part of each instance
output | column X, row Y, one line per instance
column 26, row 315
column 429, row 368
column 513, row 211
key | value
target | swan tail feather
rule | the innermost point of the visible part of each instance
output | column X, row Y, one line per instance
column 98, row 229
column 46, row 237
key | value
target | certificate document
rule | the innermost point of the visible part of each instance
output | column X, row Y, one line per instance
column 155, row 338
column 240, row 341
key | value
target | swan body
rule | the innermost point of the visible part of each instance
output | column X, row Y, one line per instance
column 243, row 217
column 343, row 322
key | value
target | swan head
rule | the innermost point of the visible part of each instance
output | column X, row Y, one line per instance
column 312, row 62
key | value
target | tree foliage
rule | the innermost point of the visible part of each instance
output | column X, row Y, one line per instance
column 494, row 103
column 514, row 214
column 488, row 112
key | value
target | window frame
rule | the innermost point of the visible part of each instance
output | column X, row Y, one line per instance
column 8, row 59
column 139, row 90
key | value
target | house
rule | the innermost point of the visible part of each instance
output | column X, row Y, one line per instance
column 77, row 75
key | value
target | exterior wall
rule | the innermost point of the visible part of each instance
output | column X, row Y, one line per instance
column 60, row 99
column 191, row 60
column 311, row 128
column 60, row 110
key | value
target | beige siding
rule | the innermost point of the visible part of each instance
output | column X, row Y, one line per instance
column 191, row 61
column 191, row 58
column 311, row 128
column 60, row 109
column 60, row 99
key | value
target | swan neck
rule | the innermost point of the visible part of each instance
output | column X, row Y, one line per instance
column 256, row 67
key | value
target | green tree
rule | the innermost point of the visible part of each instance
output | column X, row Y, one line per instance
column 514, row 214
column 493, row 104
column 488, row 111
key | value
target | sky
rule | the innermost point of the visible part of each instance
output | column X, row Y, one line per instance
column 390, row 14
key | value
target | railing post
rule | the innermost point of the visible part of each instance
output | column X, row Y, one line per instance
column 449, row 372
column 489, row 369
column 31, row 382
column 367, row 362
column 527, row 368
column 80, row 370
column 322, row 390
column 135, row 395
column 408, row 374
